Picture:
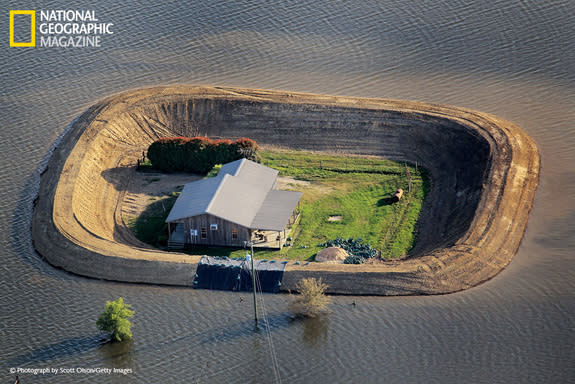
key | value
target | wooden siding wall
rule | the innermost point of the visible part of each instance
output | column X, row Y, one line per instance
column 222, row 236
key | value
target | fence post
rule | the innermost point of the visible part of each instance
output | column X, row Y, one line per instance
column 408, row 174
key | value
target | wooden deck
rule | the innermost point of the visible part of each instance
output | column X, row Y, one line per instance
column 274, row 239
column 269, row 239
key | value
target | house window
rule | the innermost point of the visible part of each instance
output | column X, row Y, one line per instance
column 213, row 227
column 204, row 233
column 193, row 232
column 234, row 233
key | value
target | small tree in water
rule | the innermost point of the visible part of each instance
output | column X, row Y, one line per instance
column 311, row 300
column 114, row 320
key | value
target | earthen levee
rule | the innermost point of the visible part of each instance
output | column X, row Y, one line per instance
column 484, row 173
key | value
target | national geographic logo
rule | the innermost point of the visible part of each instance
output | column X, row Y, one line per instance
column 58, row 28
column 19, row 15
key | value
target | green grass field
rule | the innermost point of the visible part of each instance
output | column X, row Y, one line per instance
column 354, row 191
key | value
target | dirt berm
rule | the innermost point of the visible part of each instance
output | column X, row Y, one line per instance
column 484, row 173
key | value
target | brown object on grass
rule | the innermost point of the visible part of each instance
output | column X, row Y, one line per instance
column 397, row 195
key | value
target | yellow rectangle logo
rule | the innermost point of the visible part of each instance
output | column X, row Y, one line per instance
column 32, row 42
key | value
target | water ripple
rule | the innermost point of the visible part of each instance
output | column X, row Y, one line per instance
column 511, row 58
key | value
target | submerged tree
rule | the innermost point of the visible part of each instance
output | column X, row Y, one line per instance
column 311, row 300
column 114, row 320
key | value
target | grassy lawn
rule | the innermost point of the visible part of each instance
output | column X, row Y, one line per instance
column 345, row 196
column 356, row 190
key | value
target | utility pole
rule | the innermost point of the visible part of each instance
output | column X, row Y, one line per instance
column 254, row 284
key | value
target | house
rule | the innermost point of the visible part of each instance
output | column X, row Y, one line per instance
column 239, row 205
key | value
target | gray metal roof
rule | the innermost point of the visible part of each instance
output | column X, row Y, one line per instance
column 276, row 210
column 242, row 193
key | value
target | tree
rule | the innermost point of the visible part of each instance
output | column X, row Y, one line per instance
column 114, row 320
column 311, row 300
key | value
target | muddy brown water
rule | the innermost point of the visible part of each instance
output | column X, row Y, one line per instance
column 510, row 58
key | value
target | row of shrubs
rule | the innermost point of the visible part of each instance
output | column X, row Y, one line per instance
column 199, row 154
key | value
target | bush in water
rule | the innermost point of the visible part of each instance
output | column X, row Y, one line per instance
column 311, row 300
column 114, row 320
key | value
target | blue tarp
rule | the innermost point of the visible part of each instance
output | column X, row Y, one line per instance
column 228, row 274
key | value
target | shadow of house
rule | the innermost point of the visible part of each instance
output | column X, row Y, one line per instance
column 237, row 206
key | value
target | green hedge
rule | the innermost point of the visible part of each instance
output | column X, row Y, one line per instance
column 199, row 154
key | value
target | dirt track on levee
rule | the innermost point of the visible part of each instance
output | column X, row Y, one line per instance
column 484, row 172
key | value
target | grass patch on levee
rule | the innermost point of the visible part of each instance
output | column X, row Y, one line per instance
column 150, row 227
column 343, row 195
column 350, row 197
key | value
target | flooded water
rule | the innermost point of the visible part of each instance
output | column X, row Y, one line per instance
column 515, row 59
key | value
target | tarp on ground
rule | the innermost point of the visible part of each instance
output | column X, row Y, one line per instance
column 223, row 273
